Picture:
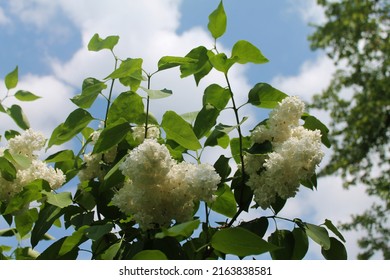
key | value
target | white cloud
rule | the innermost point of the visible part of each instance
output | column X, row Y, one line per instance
column 313, row 77
column 308, row 10
column 3, row 18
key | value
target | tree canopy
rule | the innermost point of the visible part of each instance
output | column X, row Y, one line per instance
column 356, row 36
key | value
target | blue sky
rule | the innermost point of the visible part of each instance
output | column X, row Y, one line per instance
column 47, row 40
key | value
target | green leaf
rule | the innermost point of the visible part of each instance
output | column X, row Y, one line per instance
column 8, row 232
column 199, row 69
column 258, row 226
column 190, row 117
column 7, row 170
column 235, row 147
column 157, row 94
column 30, row 192
column 23, row 95
column 111, row 136
column 64, row 155
column 336, row 251
column 284, row 239
column 219, row 136
column 150, row 255
column 221, row 62
column 318, row 234
column 96, row 43
column 18, row 160
column 181, row 230
column 225, row 203
column 301, row 244
column 60, row 200
column 72, row 242
column 131, row 67
column 333, row 229
column 9, row 134
column 97, row 231
column 179, row 131
column 74, row 124
column 240, row 242
column 167, row 62
column 205, row 120
column 222, row 167
column 244, row 52
column 217, row 21
column 25, row 220
column 2, row 109
column 25, row 253
column 313, row 123
column 129, row 106
column 278, row 205
column 52, row 252
column 16, row 113
column 265, row 96
column 90, row 90
column 217, row 96
column 47, row 216
column 11, row 79
column 111, row 252
column 260, row 149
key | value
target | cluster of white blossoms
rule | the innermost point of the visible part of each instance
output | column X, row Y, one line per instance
column 92, row 162
column 159, row 189
column 139, row 132
column 27, row 145
column 296, row 153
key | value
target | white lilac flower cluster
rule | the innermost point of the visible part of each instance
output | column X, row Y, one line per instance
column 153, row 132
column 159, row 189
column 26, row 145
column 296, row 153
column 92, row 162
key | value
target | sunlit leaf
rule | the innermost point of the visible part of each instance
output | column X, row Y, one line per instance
column 225, row 203
column 60, row 200
column 240, row 242
column 11, row 79
column 217, row 96
column 17, row 114
column 179, row 131
column 332, row 228
column 157, row 94
column 111, row 136
column 24, row 95
column 96, row 43
column 244, row 52
column 73, row 241
column 265, row 96
column 182, row 230
column 74, row 124
column 129, row 106
column 90, row 90
column 318, row 234
column 25, row 220
column 167, row 62
column 217, row 21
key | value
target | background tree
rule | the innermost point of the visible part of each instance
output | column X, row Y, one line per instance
column 356, row 36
